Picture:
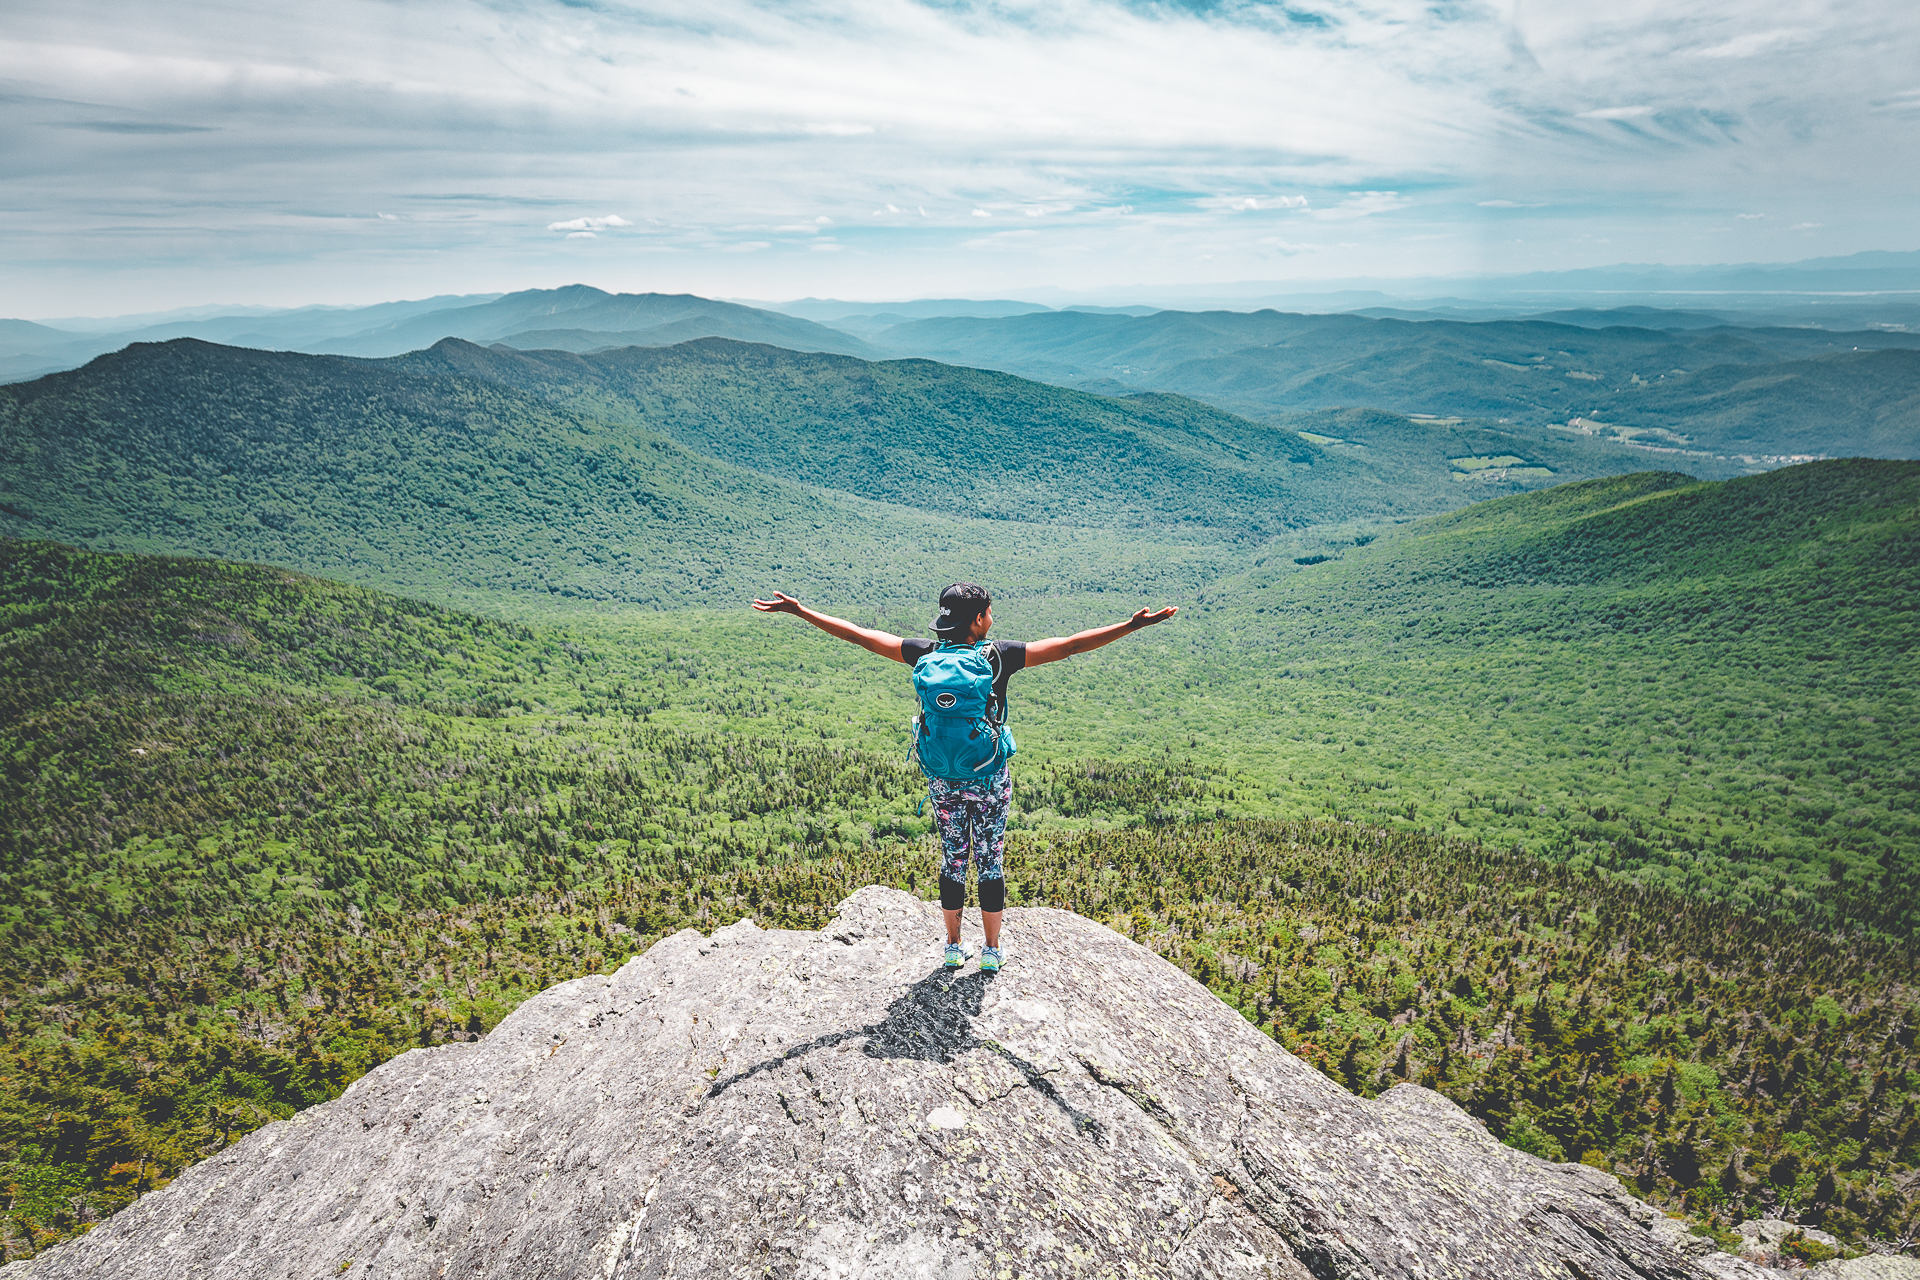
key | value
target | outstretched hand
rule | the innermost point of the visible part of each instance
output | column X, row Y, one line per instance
column 1143, row 618
column 781, row 603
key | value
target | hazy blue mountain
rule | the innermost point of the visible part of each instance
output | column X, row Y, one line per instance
column 1268, row 363
column 1875, row 270
column 582, row 307
column 764, row 327
column 28, row 350
column 1637, row 318
column 833, row 310
column 302, row 328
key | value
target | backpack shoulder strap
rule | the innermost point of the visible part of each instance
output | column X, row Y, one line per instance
column 993, row 698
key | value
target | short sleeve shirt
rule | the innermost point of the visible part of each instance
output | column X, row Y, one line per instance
column 1013, row 657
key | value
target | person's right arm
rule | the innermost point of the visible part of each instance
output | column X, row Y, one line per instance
column 884, row 643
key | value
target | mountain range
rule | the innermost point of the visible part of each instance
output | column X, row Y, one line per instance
column 669, row 475
column 1688, row 384
column 576, row 317
column 1718, row 391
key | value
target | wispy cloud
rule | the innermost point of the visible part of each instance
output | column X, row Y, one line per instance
column 135, row 126
column 589, row 224
column 1751, row 44
column 1617, row 113
column 1362, row 204
column 1247, row 204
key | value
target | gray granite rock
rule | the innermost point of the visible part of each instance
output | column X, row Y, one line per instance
column 1871, row 1267
column 1769, row 1233
column 763, row 1103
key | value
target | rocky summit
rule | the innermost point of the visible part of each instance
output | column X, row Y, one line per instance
column 835, row 1104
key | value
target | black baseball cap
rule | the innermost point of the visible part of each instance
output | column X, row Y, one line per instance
column 960, row 604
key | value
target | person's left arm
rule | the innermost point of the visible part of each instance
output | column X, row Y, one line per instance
column 1059, row 647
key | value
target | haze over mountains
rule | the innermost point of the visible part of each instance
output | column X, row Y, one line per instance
column 1717, row 388
column 574, row 318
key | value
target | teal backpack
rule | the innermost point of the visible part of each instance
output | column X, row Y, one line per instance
column 960, row 733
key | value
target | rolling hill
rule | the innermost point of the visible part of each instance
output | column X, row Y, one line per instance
column 414, row 476
column 1697, row 385
column 1709, row 686
column 670, row 476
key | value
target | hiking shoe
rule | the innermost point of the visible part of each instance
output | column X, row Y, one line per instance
column 956, row 955
column 989, row 959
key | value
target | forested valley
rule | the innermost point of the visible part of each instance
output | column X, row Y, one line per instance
column 1592, row 806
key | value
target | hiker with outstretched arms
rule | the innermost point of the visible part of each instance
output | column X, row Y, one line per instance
column 961, row 737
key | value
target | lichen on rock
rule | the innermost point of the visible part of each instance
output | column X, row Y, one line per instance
column 834, row 1104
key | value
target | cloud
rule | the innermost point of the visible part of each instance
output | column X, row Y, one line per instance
column 1638, row 120
column 1749, row 217
column 1363, row 204
column 1750, row 44
column 1284, row 247
column 1804, row 226
column 134, row 126
column 1510, row 204
column 981, row 213
column 589, row 224
column 583, row 235
column 1247, row 204
column 746, row 246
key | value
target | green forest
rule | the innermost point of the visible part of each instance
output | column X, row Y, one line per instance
column 672, row 479
column 1721, row 392
column 1591, row 806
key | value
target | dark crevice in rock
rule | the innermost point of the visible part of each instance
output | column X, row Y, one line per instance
column 932, row 1021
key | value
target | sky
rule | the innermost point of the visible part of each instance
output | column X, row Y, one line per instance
column 278, row 154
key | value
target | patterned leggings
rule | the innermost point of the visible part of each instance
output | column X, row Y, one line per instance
column 973, row 821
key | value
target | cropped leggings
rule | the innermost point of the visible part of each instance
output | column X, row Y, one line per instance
column 973, row 823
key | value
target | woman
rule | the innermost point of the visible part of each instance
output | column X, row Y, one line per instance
column 972, row 812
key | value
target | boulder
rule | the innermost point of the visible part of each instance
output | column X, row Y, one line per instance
column 834, row 1104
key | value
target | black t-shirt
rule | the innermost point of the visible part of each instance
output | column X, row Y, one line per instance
column 1013, row 657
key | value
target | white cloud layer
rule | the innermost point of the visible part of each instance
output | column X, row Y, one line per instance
column 275, row 153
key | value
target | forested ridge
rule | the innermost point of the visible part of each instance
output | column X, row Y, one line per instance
column 1715, row 392
column 1711, row 686
column 679, row 477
